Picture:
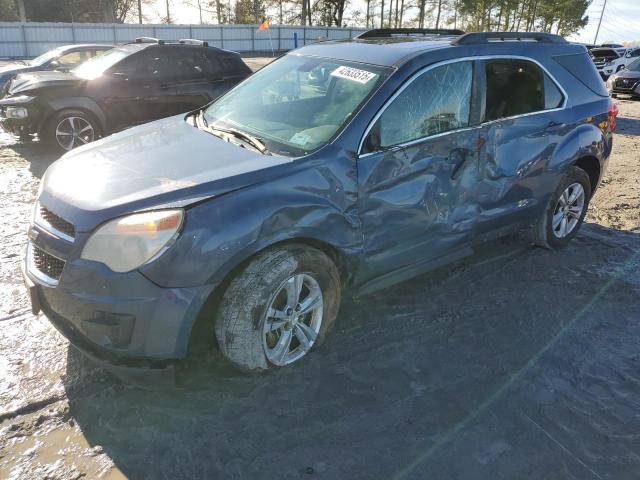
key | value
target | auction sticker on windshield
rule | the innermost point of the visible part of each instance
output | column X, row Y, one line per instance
column 355, row 74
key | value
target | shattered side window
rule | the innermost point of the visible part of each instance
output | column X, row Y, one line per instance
column 436, row 102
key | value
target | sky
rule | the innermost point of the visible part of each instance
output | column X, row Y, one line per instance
column 620, row 23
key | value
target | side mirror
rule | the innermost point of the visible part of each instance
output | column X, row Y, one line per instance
column 54, row 65
column 622, row 67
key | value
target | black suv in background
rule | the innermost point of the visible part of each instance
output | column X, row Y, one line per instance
column 128, row 85
column 62, row 58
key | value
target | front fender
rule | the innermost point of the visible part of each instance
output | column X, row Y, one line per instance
column 317, row 203
column 83, row 103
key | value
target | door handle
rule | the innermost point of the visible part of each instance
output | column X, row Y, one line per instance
column 553, row 123
column 457, row 158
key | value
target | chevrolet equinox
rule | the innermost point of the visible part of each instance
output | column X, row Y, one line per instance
column 344, row 164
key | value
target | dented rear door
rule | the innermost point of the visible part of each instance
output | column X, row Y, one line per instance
column 524, row 122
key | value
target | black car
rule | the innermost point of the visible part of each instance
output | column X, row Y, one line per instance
column 128, row 85
column 626, row 81
column 62, row 58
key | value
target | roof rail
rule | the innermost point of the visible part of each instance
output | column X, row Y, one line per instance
column 391, row 32
column 491, row 37
column 148, row 40
column 193, row 41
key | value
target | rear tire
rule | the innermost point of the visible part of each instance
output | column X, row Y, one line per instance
column 70, row 129
column 565, row 210
column 278, row 308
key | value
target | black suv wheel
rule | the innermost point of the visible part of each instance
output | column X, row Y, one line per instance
column 70, row 129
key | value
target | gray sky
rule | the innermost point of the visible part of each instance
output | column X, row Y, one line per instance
column 621, row 21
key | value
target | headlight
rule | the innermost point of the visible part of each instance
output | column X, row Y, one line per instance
column 126, row 243
column 16, row 112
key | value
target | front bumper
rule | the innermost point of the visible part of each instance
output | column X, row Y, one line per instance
column 19, row 126
column 122, row 321
column 629, row 89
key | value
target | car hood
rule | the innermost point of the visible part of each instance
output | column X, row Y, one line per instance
column 14, row 68
column 627, row 74
column 25, row 82
column 160, row 164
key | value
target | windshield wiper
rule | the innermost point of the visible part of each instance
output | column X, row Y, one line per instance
column 245, row 137
column 255, row 142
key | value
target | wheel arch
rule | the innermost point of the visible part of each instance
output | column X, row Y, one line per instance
column 206, row 318
column 83, row 104
column 591, row 165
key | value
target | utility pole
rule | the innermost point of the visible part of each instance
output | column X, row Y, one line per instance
column 140, row 12
column 604, row 5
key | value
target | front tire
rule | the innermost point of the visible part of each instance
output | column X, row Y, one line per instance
column 278, row 308
column 565, row 211
column 70, row 129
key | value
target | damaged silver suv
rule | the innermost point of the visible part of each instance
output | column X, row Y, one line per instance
column 347, row 164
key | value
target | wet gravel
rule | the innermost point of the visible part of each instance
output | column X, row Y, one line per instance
column 516, row 363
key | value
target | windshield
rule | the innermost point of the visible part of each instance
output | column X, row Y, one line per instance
column 45, row 57
column 96, row 66
column 296, row 104
column 634, row 66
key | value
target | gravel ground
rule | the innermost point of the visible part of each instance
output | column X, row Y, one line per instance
column 516, row 363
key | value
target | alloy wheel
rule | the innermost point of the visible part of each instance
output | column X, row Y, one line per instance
column 568, row 210
column 293, row 319
column 72, row 132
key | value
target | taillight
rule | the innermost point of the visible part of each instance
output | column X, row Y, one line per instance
column 613, row 113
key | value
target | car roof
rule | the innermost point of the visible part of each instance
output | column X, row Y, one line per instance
column 376, row 51
column 85, row 45
column 393, row 51
column 173, row 44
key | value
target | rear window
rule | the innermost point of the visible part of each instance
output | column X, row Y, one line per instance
column 581, row 67
column 232, row 66
column 517, row 87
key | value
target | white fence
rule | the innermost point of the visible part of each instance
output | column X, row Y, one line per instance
column 31, row 39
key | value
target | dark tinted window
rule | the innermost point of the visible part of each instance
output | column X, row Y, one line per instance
column 233, row 66
column 516, row 87
column 149, row 64
column 185, row 65
column 436, row 102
